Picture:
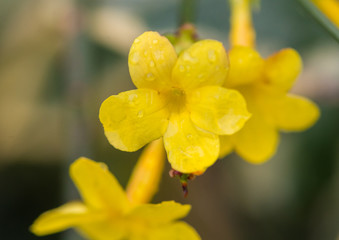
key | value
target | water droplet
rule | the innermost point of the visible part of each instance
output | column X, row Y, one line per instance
column 135, row 58
column 145, row 53
column 181, row 68
column 211, row 56
column 187, row 57
column 158, row 55
column 140, row 114
column 150, row 77
column 189, row 136
column 155, row 41
column 151, row 64
column 137, row 40
column 132, row 97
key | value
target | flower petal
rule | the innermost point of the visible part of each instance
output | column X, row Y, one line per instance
column 204, row 63
column 133, row 118
column 226, row 145
column 189, row 149
column 177, row 231
column 257, row 141
column 98, row 187
column 111, row 229
column 151, row 60
column 157, row 214
column 69, row 215
column 282, row 68
column 218, row 110
column 246, row 66
column 294, row 113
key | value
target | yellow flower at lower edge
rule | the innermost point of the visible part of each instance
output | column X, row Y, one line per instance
column 179, row 99
column 265, row 83
column 107, row 214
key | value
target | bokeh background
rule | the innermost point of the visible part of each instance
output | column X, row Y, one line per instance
column 60, row 59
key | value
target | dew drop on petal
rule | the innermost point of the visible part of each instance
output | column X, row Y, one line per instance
column 150, row 77
column 158, row 55
column 132, row 97
column 181, row 68
column 188, row 58
column 145, row 53
column 151, row 64
column 211, row 56
column 155, row 41
column 140, row 114
column 135, row 58
column 137, row 40
column 189, row 136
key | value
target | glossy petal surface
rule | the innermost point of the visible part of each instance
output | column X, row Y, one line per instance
column 98, row 187
column 133, row 118
column 151, row 60
column 189, row 149
column 218, row 110
column 204, row 63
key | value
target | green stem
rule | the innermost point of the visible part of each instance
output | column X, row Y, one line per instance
column 321, row 18
column 187, row 13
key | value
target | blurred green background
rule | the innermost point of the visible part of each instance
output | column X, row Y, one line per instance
column 60, row 59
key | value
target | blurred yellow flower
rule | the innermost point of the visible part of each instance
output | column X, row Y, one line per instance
column 179, row 98
column 264, row 83
column 330, row 8
column 107, row 214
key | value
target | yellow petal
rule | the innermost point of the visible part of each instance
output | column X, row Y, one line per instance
column 189, row 149
column 151, row 60
column 98, row 187
column 218, row 110
column 69, row 215
column 257, row 141
column 246, row 66
column 226, row 145
column 157, row 214
column 177, row 231
column 133, row 118
column 111, row 229
column 204, row 63
column 145, row 178
column 282, row 68
column 294, row 113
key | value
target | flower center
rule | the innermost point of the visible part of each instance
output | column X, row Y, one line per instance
column 176, row 99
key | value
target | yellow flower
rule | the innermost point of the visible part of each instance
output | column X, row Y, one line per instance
column 107, row 214
column 179, row 98
column 264, row 83
column 330, row 8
